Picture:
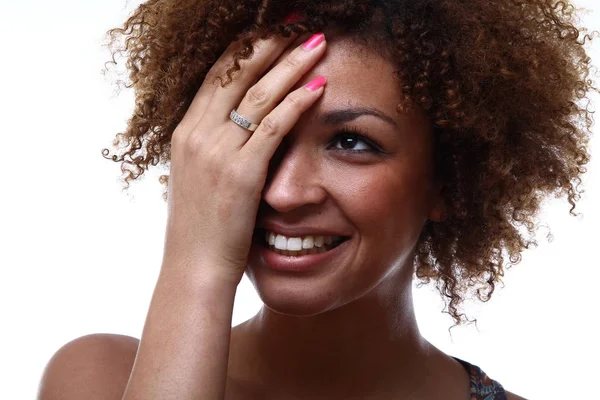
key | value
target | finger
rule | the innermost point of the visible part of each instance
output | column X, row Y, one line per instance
column 259, row 149
column 273, row 85
column 201, row 99
column 211, row 82
column 261, row 98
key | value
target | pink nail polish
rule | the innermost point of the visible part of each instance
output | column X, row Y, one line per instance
column 313, row 41
column 316, row 83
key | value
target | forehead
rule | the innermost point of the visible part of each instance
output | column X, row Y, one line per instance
column 355, row 76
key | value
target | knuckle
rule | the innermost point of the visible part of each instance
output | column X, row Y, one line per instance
column 257, row 95
column 292, row 61
column 193, row 147
column 177, row 137
column 294, row 100
column 269, row 125
column 216, row 156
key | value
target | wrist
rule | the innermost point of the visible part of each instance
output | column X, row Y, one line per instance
column 203, row 275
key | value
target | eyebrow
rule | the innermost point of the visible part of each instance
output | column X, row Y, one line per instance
column 342, row 115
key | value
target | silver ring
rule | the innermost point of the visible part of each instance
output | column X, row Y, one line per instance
column 241, row 121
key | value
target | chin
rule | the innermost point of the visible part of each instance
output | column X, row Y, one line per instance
column 288, row 295
column 294, row 309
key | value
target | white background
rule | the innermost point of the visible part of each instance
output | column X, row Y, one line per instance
column 79, row 256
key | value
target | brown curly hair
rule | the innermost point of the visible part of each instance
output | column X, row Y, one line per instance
column 504, row 84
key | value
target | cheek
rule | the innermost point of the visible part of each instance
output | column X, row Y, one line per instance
column 387, row 201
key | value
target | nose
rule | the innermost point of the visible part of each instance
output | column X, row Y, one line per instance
column 294, row 180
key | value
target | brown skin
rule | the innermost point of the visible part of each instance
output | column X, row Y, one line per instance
column 500, row 82
column 370, row 283
column 503, row 83
column 382, row 201
column 97, row 367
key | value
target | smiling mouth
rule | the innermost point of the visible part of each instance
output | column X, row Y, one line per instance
column 299, row 246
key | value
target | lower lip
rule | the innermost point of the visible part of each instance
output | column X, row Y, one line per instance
column 280, row 262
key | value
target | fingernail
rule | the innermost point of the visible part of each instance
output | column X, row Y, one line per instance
column 313, row 41
column 292, row 17
column 316, row 83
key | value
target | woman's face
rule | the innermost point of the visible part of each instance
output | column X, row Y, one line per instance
column 378, row 193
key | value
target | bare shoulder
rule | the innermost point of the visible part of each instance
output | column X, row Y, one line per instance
column 91, row 367
column 512, row 396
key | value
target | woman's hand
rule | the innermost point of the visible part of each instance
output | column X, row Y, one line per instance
column 218, row 169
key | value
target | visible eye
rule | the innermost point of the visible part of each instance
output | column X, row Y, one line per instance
column 354, row 140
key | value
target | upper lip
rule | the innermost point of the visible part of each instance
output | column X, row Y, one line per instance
column 299, row 230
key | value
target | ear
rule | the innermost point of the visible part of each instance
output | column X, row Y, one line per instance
column 438, row 211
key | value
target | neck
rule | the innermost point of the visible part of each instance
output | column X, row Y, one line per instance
column 371, row 344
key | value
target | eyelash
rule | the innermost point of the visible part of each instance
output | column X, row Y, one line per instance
column 358, row 134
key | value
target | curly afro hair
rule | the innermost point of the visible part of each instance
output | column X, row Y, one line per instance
column 504, row 84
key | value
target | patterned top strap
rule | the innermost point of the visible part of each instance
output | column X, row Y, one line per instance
column 482, row 386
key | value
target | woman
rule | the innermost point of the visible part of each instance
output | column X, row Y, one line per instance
column 330, row 154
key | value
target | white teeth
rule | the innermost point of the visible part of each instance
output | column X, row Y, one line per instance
column 308, row 243
column 319, row 241
column 281, row 242
column 294, row 244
